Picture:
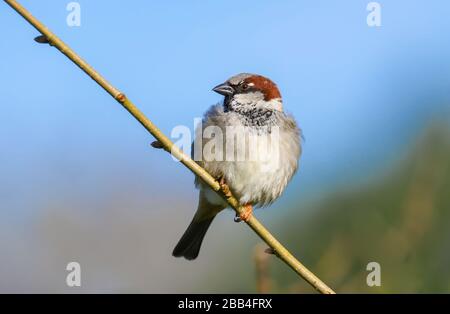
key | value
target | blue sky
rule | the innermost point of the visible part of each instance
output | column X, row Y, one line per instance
column 360, row 94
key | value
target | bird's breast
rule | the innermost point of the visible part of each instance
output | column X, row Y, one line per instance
column 256, row 161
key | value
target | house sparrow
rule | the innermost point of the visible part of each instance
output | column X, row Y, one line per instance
column 254, row 108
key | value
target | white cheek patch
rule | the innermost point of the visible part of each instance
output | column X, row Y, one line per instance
column 276, row 104
column 256, row 99
column 249, row 98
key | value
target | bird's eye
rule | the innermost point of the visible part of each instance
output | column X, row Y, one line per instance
column 245, row 86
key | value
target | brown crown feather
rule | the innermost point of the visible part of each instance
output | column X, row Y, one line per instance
column 266, row 86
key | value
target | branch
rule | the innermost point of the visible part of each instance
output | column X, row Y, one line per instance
column 166, row 144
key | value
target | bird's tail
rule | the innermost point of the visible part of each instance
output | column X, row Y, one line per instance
column 191, row 241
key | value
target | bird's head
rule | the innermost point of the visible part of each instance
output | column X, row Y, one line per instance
column 245, row 92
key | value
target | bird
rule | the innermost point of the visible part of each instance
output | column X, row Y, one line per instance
column 252, row 109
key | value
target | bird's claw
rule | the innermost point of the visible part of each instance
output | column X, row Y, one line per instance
column 245, row 215
column 224, row 187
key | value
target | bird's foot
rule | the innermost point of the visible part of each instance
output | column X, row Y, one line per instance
column 245, row 215
column 224, row 187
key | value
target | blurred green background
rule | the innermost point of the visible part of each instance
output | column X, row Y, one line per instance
column 398, row 218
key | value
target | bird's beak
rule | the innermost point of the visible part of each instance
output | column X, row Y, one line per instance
column 224, row 89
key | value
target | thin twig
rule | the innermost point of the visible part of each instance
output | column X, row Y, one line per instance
column 167, row 144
